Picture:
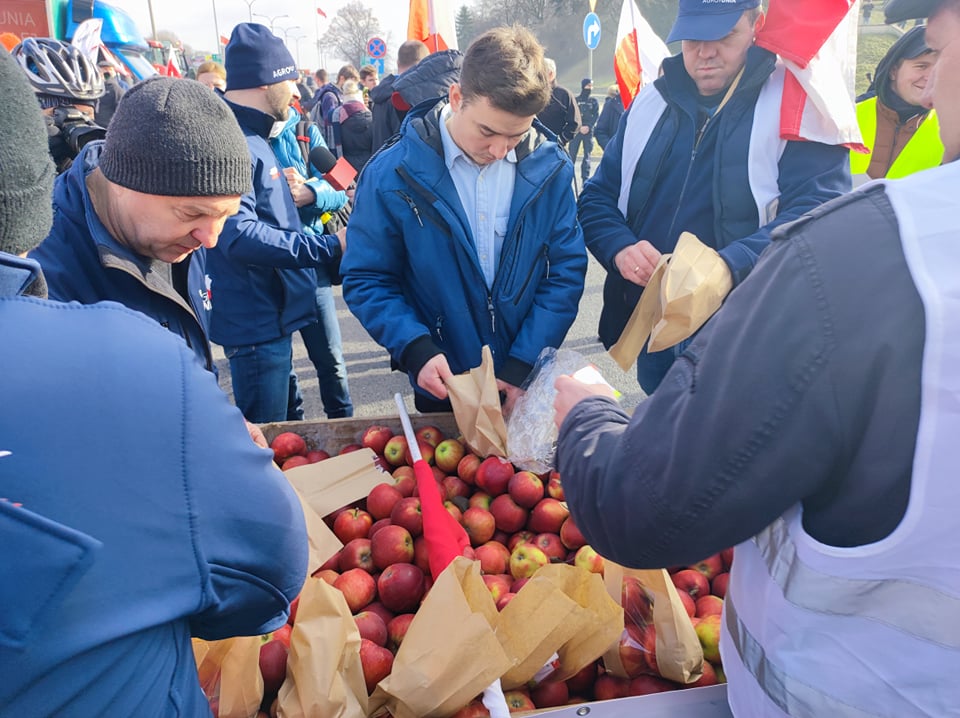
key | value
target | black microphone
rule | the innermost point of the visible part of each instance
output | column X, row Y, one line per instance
column 338, row 172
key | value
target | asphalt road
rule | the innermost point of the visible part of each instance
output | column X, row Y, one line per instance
column 373, row 385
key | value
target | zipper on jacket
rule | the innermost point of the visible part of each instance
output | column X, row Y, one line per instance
column 686, row 178
column 439, row 328
column 413, row 205
column 530, row 275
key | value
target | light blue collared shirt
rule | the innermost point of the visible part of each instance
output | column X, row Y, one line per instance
column 485, row 193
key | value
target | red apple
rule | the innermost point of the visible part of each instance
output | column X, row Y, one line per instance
column 426, row 453
column 550, row 694
column 395, row 451
column 709, row 605
column 397, row 629
column 287, row 444
column 518, row 583
column 406, row 485
column 637, row 603
column 691, row 581
column 333, row 562
column 710, row 566
column 689, row 605
column 493, row 557
column 555, row 487
column 707, row 678
column 570, row 534
column 467, row 468
column 315, row 457
column 358, row 587
column 438, row 474
column 547, row 516
column 294, row 605
column 421, row 555
column 391, row 544
column 293, row 462
column 481, row 500
column 582, row 681
column 376, row 437
column 708, row 631
column 608, row 687
column 454, row 486
column 377, row 662
column 273, row 666
column 526, row 488
column 282, row 634
column 407, row 513
column 381, row 610
column 632, row 653
column 371, row 627
column 447, row 455
column 520, row 537
column 381, row 500
column 454, row 511
column 526, row 559
column 377, row 525
column 401, row 586
column 497, row 584
column 518, row 700
column 727, row 556
column 473, row 709
column 645, row 685
column 648, row 639
column 327, row 574
column 349, row 449
column 357, row 554
column 352, row 524
column 479, row 525
column 493, row 475
column 429, row 435
column 504, row 600
column 507, row 514
column 552, row 546
column 587, row 558
column 718, row 586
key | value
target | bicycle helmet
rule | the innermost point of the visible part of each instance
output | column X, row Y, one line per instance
column 55, row 68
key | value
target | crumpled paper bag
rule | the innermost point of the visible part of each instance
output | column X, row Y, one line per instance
column 686, row 288
column 476, row 407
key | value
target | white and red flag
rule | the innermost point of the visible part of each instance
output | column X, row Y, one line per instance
column 636, row 61
column 433, row 24
column 817, row 41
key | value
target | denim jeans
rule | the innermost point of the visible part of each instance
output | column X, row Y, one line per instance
column 265, row 388
column 584, row 142
column 325, row 349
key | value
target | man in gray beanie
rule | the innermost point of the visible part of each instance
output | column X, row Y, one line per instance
column 264, row 267
column 136, row 512
column 136, row 212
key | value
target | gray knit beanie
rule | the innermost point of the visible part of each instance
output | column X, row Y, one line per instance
column 26, row 169
column 176, row 138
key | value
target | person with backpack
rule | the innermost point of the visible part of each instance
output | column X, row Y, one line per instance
column 352, row 127
column 328, row 97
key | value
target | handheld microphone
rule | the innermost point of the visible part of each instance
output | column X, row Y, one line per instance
column 338, row 172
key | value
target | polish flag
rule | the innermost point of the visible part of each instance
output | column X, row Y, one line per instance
column 172, row 69
column 321, row 12
column 433, row 24
column 817, row 41
column 224, row 40
column 636, row 61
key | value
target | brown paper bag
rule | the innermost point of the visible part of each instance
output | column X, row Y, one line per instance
column 679, row 655
column 230, row 669
column 450, row 652
column 562, row 610
column 337, row 481
column 686, row 288
column 476, row 406
column 324, row 675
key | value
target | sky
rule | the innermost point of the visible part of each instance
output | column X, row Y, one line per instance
column 193, row 21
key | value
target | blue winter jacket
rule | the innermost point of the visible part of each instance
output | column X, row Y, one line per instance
column 136, row 513
column 83, row 263
column 704, row 190
column 411, row 272
column 262, row 269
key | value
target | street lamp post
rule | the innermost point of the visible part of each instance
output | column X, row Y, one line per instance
column 273, row 19
column 250, row 9
column 296, row 41
column 216, row 28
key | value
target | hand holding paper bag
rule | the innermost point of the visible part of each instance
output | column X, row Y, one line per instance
column 685, row 290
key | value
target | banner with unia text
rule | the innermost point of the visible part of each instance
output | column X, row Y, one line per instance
column 817, row 42
column 433, row 24
column 636, row 61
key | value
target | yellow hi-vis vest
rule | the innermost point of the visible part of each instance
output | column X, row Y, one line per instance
column 923, row 151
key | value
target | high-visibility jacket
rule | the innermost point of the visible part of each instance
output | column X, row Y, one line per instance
column 921, row 151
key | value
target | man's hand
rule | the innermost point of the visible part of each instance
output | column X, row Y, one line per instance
column 570, row 392
column 258, row 438
column 512, row 393
column 303, row 193
column 584, row 129
column 637, row 262
column 433, row 375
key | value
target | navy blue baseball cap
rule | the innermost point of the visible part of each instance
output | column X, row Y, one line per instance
column 708, row 19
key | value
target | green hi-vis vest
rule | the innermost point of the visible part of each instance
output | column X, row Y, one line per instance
column 923, row 151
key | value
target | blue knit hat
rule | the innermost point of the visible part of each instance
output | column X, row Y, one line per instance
column 255, row 57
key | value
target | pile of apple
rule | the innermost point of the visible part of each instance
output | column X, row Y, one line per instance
column 516, row 522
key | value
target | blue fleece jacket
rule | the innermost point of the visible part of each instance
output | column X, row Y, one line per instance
column 411, row 272
column 136, row 513
column 262, row 269
column 680, row 185
column 83, row 263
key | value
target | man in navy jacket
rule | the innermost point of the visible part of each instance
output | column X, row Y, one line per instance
column 699, row 151
column 263, row 269
column 136, row 512
column 465, row 233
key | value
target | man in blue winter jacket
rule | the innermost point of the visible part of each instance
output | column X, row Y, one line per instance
column 134, row 218
column 136, row 512
column 699, row 151
column 465, row 233
column 263, row 269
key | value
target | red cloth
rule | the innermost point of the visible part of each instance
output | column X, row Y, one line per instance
column 444, row 536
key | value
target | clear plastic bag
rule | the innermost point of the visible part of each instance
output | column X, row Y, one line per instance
column 531, row 433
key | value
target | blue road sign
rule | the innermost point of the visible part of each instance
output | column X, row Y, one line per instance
column 378, row 63
column 591, row 30
column 376, row 47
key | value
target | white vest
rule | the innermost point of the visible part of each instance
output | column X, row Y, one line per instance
column 763, row 158
column 815, row 630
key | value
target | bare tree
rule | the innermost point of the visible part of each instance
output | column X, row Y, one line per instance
column 350, row 30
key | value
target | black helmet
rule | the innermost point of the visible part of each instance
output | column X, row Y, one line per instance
column 55, row 68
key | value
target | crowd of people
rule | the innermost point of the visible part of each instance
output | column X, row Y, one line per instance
column 809, row 422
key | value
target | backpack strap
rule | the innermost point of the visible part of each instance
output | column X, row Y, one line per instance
column 303, row 141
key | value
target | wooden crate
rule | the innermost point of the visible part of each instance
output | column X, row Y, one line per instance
column 331, row 435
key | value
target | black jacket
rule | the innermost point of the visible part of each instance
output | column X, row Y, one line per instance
column 589, row 109
column 561, row 115
column 609, row 120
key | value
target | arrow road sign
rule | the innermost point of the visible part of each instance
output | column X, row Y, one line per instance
column 591, row 30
